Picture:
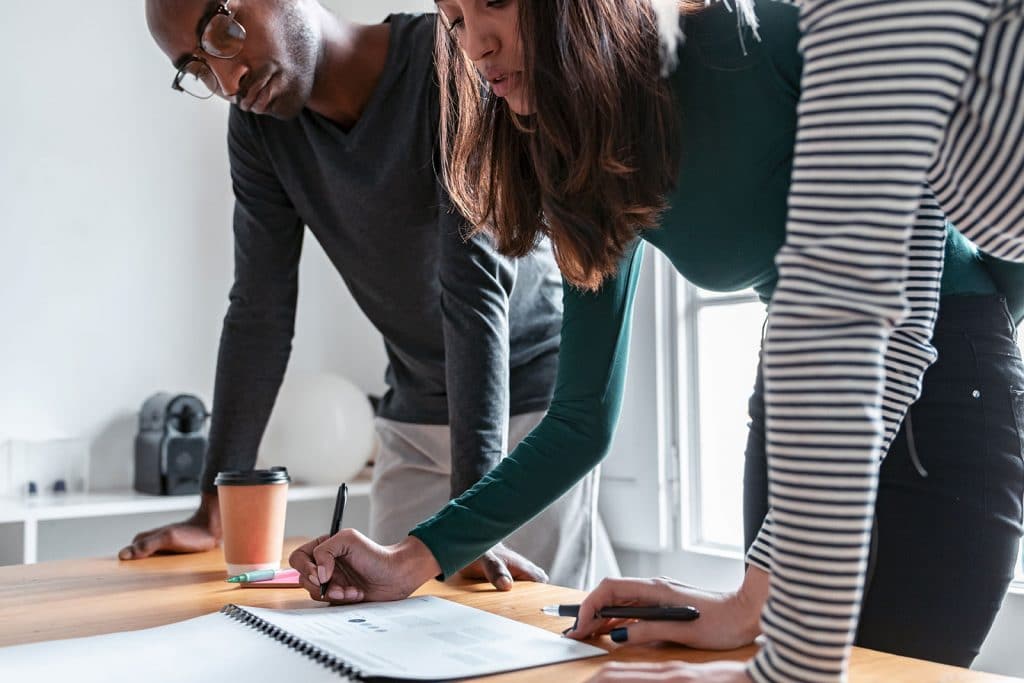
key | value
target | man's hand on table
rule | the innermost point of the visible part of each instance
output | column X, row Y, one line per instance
column 503, row 566
column 201, row 531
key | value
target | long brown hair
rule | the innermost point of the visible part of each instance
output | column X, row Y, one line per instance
column 592, row 166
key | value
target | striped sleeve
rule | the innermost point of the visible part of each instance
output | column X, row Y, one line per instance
column 910, row 351
column 885, row 85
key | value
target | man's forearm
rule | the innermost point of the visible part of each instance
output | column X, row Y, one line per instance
column 251, row 364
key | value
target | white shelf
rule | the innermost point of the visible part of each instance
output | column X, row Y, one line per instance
column 114, row 503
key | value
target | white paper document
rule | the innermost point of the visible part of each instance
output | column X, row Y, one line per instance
column 211, row 648
column 423, row 638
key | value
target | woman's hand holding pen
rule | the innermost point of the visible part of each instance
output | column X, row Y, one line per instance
column 727, row 620
column 355, row 569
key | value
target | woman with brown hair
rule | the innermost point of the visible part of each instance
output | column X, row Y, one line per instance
column 584, row 136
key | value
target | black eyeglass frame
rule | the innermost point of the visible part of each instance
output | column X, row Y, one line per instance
column 221, row 10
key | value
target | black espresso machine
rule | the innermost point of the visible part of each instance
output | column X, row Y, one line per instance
column 170, row 445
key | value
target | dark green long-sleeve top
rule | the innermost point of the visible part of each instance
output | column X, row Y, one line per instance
column 726, row 222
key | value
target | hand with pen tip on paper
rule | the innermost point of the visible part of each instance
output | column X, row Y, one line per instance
column 353, row 568
column 356, row 569
column 346, row 566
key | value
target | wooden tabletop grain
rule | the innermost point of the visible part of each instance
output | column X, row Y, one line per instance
column 74, row 598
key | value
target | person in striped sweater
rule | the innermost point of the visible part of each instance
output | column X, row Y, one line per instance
column 897, row 95
column 714, row 201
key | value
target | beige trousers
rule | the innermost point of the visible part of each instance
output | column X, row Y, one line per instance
column 411, row 483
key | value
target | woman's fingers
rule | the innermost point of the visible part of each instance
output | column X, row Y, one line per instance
column 610, row 625
column 642, row 632
column 624, row 592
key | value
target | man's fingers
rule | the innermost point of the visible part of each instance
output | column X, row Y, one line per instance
column 141, row 546
column 523, row 569
column 184, row 537
column 496, row 572
column 143, row 534
column 126, row 553
column 150, row 544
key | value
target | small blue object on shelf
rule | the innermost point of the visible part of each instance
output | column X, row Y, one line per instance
column 60, row 486
column 32, row 488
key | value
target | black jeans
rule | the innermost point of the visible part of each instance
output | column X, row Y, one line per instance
column 948, row 517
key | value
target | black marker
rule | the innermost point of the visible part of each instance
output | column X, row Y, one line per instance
column 627, row 612
column 339, row 512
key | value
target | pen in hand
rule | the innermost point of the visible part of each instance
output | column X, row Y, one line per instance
column 628, row 612
column 339, row 512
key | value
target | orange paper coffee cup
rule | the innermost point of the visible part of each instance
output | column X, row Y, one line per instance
column 252, row 511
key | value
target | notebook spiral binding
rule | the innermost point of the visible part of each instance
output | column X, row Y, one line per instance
column 328, row 660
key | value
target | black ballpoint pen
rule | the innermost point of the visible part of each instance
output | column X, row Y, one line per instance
column 339, row 512
column 629, row 612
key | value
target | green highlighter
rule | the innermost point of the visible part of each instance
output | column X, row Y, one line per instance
column 262, row 575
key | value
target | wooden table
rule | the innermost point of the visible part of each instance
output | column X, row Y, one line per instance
column 75, row 598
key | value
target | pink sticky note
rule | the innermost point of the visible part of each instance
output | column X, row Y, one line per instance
column 286, row 579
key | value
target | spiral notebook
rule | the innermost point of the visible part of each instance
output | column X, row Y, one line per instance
column 418, row 639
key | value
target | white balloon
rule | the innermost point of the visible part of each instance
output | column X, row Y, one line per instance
column 321, row 429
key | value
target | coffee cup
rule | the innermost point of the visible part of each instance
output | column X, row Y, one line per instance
column 252, row 512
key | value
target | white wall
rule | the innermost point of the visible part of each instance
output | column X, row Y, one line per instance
column 115, row 233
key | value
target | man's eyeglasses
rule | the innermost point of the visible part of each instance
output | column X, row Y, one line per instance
column 221, row 37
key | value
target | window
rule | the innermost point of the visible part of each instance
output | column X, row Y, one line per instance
column 719, row 342
column 721, row 337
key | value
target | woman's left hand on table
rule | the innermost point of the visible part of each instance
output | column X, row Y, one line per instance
column 727, row 620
